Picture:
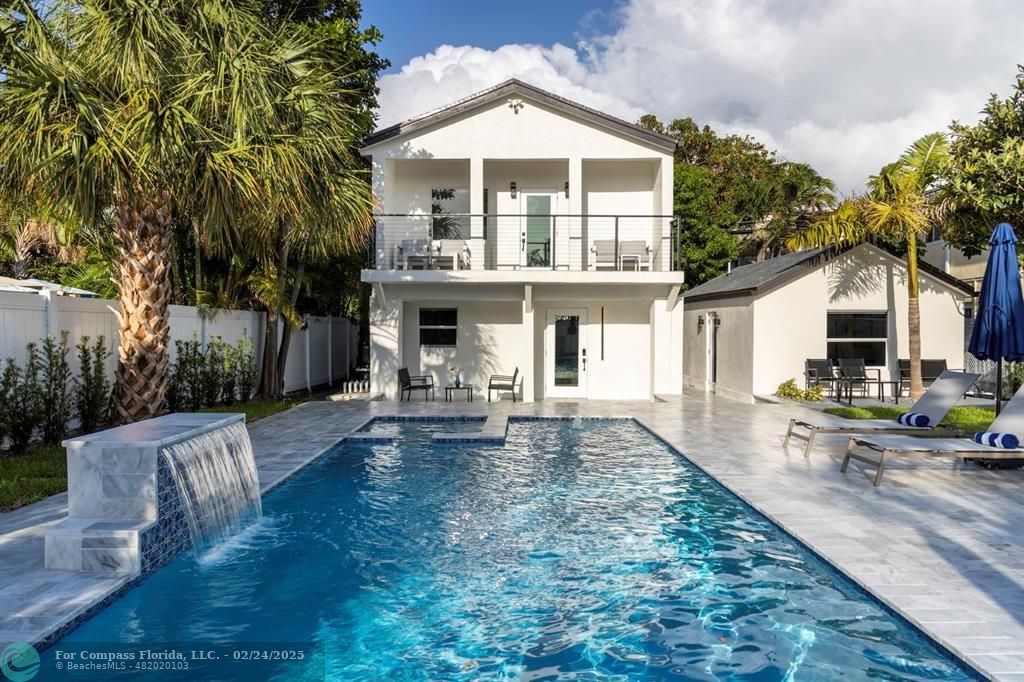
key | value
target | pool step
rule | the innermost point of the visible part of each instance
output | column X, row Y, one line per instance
column 492, row 432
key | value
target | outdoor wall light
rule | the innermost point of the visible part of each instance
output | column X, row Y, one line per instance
column 512, row 189
column 700, row 324
column 566, row 189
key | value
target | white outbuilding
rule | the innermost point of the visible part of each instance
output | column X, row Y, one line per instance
column 746, row 332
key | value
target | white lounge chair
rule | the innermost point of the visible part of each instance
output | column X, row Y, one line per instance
column 635, row 252
column 452, row 254
column 411, row 253
column 935, row 403
column 1010, row 420
column 604, row 254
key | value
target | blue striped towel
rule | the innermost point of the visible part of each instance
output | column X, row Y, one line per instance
column 913, row 419
column 1008, row 441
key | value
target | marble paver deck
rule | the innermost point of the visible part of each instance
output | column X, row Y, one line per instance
column 940, row 541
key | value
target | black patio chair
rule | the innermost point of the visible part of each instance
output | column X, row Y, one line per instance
column 407, row 384
column 852, row 372
column 820, row 372
column 930, row 371
column 503, row 382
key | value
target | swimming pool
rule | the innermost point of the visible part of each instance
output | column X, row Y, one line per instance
column 582, row 548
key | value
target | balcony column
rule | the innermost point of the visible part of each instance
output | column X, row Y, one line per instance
column 477, row 243
column 666, row 178
column 572, row 243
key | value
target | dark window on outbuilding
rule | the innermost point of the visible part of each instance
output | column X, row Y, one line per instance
column 858, row 335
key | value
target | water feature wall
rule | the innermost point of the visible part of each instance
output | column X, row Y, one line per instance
column 137, row 493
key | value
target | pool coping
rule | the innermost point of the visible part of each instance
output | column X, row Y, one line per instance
column 124, row 582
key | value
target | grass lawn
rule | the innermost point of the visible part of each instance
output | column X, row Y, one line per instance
column 43, row 470
column 28, row 478
column 967, row 418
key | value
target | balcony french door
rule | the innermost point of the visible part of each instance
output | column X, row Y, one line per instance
column 537, row 228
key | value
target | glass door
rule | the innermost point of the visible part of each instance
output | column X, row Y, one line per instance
column 537, row 228
column 566, row 353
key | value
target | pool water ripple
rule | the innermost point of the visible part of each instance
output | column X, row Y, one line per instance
column 582, row 550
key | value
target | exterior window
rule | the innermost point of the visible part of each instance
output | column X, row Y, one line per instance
column 858, row 335
column 439, row 326
column 450, row 206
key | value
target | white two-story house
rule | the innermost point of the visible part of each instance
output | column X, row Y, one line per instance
column 517, row 229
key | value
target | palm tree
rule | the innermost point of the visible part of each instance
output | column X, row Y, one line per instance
column 135, row 112
column 898, row 205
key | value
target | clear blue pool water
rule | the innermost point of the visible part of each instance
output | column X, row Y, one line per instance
column 580, row 550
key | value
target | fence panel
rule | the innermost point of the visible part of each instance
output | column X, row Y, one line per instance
column 22, row 320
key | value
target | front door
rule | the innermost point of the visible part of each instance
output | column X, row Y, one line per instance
column 565, row 351
column 537, row 228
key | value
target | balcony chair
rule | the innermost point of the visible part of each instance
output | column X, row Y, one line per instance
column 452, row 254
column 407, row 384
column 503, row 382
column 635, row 251
column 604, row 254
column 412, row 254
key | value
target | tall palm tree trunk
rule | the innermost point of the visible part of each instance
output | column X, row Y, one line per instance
column 914, row 319
column 142, row 226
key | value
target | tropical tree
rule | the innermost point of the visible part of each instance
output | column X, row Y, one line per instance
column 138, row 111
column 901, row 205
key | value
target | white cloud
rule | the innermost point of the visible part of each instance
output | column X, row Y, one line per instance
column 845, row 86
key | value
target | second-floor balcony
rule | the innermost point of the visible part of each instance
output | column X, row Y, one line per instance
column 537, row 240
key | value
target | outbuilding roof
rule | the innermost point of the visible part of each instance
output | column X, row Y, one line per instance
column 759, row 278
column 516, row 87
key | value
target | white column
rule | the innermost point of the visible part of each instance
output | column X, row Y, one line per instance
column 667, row 179
column 667, row 346
column 477, row 245
column 573, row 241
column 385, row 343
column 528, row 370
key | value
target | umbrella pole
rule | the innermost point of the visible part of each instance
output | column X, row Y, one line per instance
column 999, row 385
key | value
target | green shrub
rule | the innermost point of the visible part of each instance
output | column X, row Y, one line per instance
column 27, row 396
column 229, row 378
column 246, row 363
column 788, row 389
column 212, row 371
column 56, row 378
column 187, row 377
column 9, row 379
column 92, row 388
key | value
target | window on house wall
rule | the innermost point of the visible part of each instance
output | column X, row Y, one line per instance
column 439, row 326
column 450, row 207
column 858, row 335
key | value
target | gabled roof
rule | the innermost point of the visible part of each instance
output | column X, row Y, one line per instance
column 516, row 87
column 760, row 278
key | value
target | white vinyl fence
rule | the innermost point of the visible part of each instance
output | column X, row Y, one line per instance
column 322, row 353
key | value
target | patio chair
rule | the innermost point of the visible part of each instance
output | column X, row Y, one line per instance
column 930, row 371
column 452, row 254
column 635, row 251
column 852, row 372
column 820, row 372
column 411, row 253
column 503, row 382
column 604, row 254
column 935, row 404
column 407, row 384
column 1010, row 420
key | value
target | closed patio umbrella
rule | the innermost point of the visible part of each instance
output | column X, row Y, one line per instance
column 999, row 326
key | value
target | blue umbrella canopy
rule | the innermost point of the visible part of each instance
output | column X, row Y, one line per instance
column 999, row 326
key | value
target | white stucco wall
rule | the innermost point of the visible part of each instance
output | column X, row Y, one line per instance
column 790, row 322
column 735, row 346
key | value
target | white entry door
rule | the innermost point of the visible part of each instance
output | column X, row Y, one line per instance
column 565, row 353
column 537, row 240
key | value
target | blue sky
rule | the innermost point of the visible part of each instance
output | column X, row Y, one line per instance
column 415, row 27
column 845, row 85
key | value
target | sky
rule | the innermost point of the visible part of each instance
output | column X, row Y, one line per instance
column 844, row 85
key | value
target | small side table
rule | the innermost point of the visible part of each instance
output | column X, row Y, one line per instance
column 450, row 390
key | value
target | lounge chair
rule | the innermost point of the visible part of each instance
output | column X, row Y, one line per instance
column 1010, row 420
column 503, row 382
column 604, row 254
column 935, row 403
column 820, row 372
column 412, row 254
column 635, row 251
column 407, row 384
column 852, row 372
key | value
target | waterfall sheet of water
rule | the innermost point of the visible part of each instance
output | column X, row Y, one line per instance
column 217, row 482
